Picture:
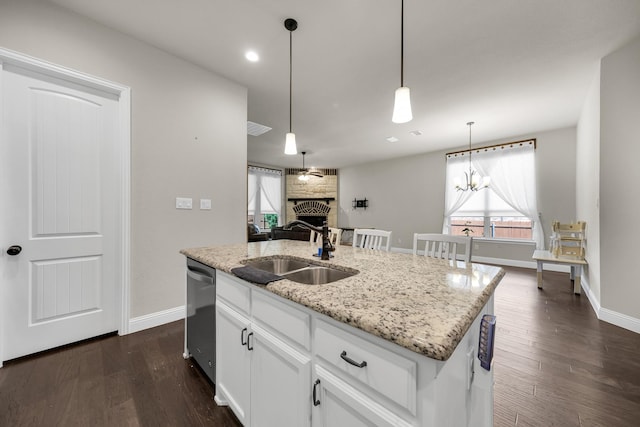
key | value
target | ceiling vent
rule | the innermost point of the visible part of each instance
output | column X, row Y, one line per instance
column 256, row 129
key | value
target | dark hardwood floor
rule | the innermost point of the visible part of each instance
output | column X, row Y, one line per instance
column 555, row 365
column 136, row 380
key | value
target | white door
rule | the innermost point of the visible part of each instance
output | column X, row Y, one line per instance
column 60, row 203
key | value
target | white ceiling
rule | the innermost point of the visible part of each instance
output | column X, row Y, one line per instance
column 512, row 66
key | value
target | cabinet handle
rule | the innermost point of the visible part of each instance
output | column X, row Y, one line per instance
column 316, row 402
column 249, row 346
column 242, row 341
column 349, row 360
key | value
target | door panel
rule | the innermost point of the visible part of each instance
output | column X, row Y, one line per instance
column 59, row 200
column 65, row 163
column 65, row 287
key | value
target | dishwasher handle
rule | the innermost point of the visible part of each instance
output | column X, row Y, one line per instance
column 199, row 277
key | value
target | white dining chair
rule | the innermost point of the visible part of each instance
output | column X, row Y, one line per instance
column 443, row 246
column 335, row 236
column 314, row 236
column 367, row 238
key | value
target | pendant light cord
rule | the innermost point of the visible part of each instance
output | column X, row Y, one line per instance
column 402, row 44
column 470, row 124
column 290, row 76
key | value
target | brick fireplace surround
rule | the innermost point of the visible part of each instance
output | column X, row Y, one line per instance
column 314, row 188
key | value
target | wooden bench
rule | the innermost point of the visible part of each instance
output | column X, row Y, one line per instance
column 576, row 264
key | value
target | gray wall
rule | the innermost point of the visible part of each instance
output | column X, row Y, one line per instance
column 406, row 195
column 588, row 182
column 173, row 103
column 619, row 175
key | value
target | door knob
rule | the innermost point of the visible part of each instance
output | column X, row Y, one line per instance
column 14, row 250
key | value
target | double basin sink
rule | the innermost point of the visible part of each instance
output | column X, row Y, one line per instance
column 300, row 271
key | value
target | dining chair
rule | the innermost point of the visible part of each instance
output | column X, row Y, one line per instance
column 443, row 246
column 314, row 236
column 335, row 236
column 367, row 238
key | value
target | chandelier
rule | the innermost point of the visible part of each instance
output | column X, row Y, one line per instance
column 472, row 180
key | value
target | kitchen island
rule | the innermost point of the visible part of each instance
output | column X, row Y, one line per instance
column 414, row 321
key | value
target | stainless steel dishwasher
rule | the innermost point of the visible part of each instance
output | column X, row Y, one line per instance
column 200, row 334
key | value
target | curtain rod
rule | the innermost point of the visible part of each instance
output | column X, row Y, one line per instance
column 521, row 142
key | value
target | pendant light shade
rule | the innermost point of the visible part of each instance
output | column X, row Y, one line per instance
column 290, row 147
column 402, row 105
column 290, row 144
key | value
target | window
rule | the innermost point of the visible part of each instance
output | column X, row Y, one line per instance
column 264, row 204
column 507, row 208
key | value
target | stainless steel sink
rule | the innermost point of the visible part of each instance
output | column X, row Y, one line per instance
column 300, row 271
column 317, row 275
column 278, row 265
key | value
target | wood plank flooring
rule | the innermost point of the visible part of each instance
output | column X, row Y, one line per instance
column 555, row 365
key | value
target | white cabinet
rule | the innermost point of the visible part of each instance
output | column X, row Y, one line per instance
column 267, row 346
column 337, row 403
column 280, row 383
column 263, row 378
column 233, row 379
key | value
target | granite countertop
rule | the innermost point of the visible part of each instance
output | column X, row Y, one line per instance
column 420, row 303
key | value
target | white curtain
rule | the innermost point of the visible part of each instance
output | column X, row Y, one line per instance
column 252, row 191
column 264, row 192
column 513, row 179
column 453, row 199
column 272, row 193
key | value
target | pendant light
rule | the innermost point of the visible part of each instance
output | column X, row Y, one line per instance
column 290, row 139
column 402, row 105
column 473, row 181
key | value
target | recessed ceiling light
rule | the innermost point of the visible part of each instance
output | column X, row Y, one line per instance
column 392, row 139
column 416, row 132
column 252, row 56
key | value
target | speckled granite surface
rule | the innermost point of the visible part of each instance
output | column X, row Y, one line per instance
column 423, row 304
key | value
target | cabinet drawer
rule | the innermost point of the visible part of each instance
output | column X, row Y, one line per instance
column 386, row 372
column 233, row 292
column 281, row 319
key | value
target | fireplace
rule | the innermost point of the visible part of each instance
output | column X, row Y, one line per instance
column 317, row 220
column 314, row 212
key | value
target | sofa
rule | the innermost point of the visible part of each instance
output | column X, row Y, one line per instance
column 296, row 233
column 255, row 235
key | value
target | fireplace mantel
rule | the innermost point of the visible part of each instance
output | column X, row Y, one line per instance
column 295, row 200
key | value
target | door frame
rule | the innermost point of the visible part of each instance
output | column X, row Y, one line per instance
column 123, row 143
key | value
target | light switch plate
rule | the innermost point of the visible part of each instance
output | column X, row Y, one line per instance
column 184, row 203
column 205, row 204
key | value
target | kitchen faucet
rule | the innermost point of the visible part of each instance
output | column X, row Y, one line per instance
column 327, row 247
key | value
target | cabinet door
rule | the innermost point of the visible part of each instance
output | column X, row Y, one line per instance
column 233, row 370
column 338, row 404
column 280, row 382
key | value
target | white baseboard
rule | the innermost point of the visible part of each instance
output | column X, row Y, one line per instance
column 586, row 289
column 619, row 319
column 604, row 314
column 158, row 318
